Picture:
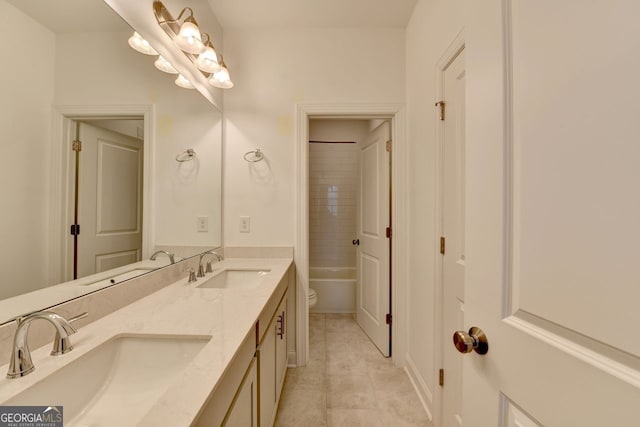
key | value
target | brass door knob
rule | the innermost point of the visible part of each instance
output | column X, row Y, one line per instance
column 475, row 340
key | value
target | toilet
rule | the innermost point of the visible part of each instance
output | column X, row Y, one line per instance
column 313, row 298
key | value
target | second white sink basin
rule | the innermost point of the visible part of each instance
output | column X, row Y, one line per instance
column 236, row 279
column 117, row 382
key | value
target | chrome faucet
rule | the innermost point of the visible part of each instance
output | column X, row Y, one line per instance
column 169, row 254
column 201, row 271
column 20, row 363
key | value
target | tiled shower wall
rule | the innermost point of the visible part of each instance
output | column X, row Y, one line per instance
column 333, row 190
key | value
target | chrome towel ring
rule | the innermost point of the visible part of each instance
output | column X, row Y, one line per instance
column 254, row 156
column 185, row 156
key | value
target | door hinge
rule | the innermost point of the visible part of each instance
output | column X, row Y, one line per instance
column 388, row 146
column 442, row 245
column 441, row 378
column 75, row 229
column 389, row 319
column 388, row 232
column 77, row 145
column 440, row 104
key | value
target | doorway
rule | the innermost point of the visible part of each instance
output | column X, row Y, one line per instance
column 394, row 113
column 63, row 170
column 106, row 185
column 452, row 265
column 349, row 219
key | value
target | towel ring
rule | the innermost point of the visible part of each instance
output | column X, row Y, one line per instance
column 185, row 156
column 257, row 156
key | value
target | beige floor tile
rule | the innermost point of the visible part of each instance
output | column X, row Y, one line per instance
column 350, row 392
column 401, row 409
column 310, row 377
column 347, row 382
column 346, row 363
column 352, row 418
column 302, row 408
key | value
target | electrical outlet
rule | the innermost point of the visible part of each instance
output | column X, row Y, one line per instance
column 245, row 224
column 203, row 224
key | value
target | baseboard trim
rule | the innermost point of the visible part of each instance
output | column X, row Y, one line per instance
column 424, row 394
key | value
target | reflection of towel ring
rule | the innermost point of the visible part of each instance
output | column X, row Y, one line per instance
column 185, row 156
column 257, row 156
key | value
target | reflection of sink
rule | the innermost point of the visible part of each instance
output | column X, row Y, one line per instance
column 121, row 277
column 117, row 382
column 236, row 279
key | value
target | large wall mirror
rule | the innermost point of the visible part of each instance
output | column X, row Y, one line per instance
column 68, row 75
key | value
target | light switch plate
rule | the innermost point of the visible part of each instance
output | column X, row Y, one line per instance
column 245, row 224
column 203, row 224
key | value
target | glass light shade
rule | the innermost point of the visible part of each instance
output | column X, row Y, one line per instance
column 222, row 85
column 183, row 82
column 141, row 45
column 221, row 79
column 208, row 60
column 164, row 65
column 189, row 38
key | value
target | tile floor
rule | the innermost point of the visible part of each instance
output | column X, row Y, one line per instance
column 347, row 382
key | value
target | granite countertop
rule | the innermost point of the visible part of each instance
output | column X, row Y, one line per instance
column 226, row 315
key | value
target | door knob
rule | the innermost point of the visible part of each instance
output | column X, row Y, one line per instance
column 475, row 340
column 355, row 242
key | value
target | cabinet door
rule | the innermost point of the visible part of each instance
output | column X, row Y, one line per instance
column 244, row 410
column 281, row 344
column 267, row 373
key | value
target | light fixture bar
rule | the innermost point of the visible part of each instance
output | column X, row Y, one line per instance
column 208, row 65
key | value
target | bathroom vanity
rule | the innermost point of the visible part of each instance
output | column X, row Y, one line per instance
column 188, row 354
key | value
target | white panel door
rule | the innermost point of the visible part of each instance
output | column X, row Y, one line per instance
column 553, row 209
column 372, row 295
column 110, row 200
column 453, row 260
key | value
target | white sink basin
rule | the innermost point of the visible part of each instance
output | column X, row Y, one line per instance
column 117, row 382
column 236, row 279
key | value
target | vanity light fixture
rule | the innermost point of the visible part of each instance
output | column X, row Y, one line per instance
column 141, row 45
column 221, row 78
column 164, row 65
column 183, row 82
column 207, row 61
column 187, row 36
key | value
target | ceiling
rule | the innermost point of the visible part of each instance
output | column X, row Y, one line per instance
column 72, row 16
column 248, row 14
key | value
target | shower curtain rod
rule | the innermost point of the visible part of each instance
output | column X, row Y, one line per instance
column 332, row 142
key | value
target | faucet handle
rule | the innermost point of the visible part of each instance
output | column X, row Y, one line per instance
column 63, row 345
column 192, row 276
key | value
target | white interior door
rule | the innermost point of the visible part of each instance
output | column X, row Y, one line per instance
column 372, row 295
column 553, row 212
column 110, row 200
column 453, row 217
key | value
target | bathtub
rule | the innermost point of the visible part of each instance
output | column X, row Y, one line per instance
column 336, row 289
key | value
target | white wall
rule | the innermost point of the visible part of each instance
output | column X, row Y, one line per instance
column 273, row 71
column 433, row 26
column 25, row 101
column 100, row 68
column 334, row 177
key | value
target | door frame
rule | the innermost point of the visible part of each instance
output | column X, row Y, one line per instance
column 449, row 55
column 60, row 194
column 399, row 177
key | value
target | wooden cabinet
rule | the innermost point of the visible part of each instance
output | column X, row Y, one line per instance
column 272, row 356
column 281, row 345
column 249, row 392
column 244, row 409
